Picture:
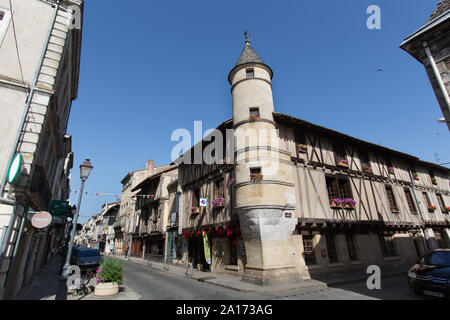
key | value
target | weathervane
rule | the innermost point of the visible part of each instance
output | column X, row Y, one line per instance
column 246, row 35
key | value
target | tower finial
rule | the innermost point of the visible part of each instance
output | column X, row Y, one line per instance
column 246, row 35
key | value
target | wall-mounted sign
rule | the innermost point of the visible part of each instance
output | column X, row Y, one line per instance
column 288, row 214
column 15, row 168
column 59, row 208
column 203, row 202
column 41, row 219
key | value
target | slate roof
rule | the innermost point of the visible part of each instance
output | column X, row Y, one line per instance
column 248, row 55
column 442, row 7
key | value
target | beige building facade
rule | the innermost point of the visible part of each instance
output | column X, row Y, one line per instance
column 39, row 70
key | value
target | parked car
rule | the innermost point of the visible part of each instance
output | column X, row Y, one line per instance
column 86, row 258
column 431, row 275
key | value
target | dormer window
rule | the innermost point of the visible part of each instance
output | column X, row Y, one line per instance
column 250, row 73
column 254, row 113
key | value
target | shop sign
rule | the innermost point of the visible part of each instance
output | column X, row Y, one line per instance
column 203, row 202
column 206, row 247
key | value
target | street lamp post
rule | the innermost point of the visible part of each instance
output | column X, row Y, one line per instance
column 85, row 170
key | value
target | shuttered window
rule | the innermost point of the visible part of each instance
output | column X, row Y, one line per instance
column 410, row 201
column 391, row 199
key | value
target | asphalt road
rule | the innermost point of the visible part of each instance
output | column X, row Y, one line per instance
column 153, row 284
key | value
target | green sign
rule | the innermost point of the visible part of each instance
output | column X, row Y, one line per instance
column 207, row 249
column 59, row 208
column 14, row 168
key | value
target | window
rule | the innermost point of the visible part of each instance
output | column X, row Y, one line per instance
column 218, row 188
column 365, row 161
column 338, row 188
column 340, row 155
column 254, row 113
column 390, row 165
column 351, row 247
column 300, row 140
column 387, row 246
column 391, row 199
column 195, row 197
column 250, row 73
column 308, row 250
column 415, row 174
column 331, row 248
column 410, row 201
column 255, row 174
column 427, row 199
column 5, row 16
column 441, row 203
column 432, row 176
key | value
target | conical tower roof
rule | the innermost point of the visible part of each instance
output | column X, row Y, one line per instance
column 248, row 57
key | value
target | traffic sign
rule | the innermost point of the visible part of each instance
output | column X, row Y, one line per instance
column 14, row 169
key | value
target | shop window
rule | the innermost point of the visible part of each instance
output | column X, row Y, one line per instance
column 308, row 249
column 387, row 246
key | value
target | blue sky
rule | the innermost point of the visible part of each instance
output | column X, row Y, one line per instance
column 149, row 67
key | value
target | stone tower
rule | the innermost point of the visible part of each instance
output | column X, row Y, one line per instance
column 265, row 194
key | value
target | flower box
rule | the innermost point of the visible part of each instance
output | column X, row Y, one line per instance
column 218, row 203
column 302, row 148
column 349, row 204
column 391, row 170
column 367, row 168
column 395, row 210
column 256, row 176
column 336, row 203
column 431, row 208
column 433, row 180
column 416, row 176
column 195, row 209
column 342, row 162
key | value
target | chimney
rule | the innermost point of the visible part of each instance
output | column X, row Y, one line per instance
column 150, row 166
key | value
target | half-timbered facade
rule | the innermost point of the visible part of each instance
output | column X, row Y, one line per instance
column 336, row 203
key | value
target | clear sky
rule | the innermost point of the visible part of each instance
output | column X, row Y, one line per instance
column 150, row 67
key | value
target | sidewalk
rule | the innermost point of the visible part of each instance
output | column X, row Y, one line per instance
column 45, row 284
column 228, row 281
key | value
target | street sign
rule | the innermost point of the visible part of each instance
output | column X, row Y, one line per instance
column 14, row 169
column 41, row 219
column 59, row 208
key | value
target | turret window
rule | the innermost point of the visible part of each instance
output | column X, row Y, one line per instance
column 250, row 73
column 254, row 113
column 255, row 174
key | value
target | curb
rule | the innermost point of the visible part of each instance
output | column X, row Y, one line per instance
column 333, row 283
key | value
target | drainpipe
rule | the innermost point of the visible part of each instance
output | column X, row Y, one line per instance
column 422, row 232
column 5, row 238
column 437, row 75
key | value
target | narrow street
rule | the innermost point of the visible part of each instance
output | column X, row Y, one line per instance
column 153, row 284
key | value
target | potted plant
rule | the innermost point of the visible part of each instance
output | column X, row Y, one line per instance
column 256, row 176
column 431, row 208
column 367, row 168
column 391, row 169
column 108, row 277
column 349, row 204
column 434, row 180
column 195, row 209
column 336, row 203
column 342, row 162
column 416, row 176
column 302, row 148
column 218, row 202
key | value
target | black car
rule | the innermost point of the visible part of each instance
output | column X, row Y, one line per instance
column 86, row 258
column 431, row 274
